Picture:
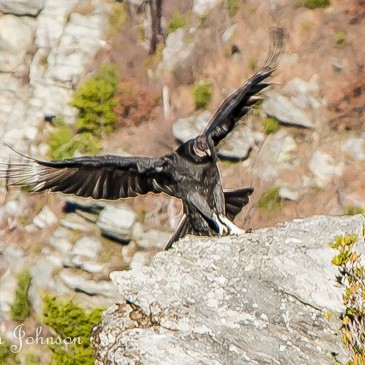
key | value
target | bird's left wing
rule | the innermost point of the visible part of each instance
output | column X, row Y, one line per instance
column 100, row 177
column 238, row 104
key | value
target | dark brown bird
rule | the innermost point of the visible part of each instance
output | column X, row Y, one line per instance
column 190, row 173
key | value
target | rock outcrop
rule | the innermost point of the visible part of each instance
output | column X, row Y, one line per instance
column 258, row 298
column 51, row 44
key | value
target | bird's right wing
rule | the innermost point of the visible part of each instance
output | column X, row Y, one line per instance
column 238, row 104
column 99, row 177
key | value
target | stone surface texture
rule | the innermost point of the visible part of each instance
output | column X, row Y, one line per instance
column 51, row 44
column 258, row 298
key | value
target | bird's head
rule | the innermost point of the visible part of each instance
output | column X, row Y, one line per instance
column 203, row 146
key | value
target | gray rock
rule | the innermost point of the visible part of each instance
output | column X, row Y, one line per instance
column 354, row 147
column 117, row 222
column 175, row 46
column 42, row 281
column 324, row 167
column 279, row 153
column 42, row 273
column 53, row 50
column 187, row 128
column 290, row 193
column 239, row 144
column 229, row 32
column 21, row 7
column 88, row 247
column 298, row 103
column 14, row 257
column 8, row 286
column 13, row 97
column 87, row 286
column 236, row 147
column 60, row 240
column 87, row 265
column 52, row 21
column 45, row 218
column 91, row 302
column 128, row 251
column 202, row 7
column 82, row 33
column 11, row 209
column 280, row 107
column 337, row 64
column 136, row 3
column 139, row 260
column 16, row 36
column 76, row 223
column 150, row 239
column 253, row 299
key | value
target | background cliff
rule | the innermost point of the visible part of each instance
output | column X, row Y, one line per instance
column 302, row 149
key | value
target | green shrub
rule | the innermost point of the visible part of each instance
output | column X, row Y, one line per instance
column 71, row 321
column 352, row 210
column 313, row 4
column 270, row 201
column 232, row 7
column 118, row 17
column 270, row 125
column 63, row 143
column 95, row 101
column 352, row 278
column 178, row 21
column 21, row 307
column 202, row 93
column 7, row 357
column 252, row 64
column 88, row 144
column 32, row 358
column 340, row 39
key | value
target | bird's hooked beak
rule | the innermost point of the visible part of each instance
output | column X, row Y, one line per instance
column 203, row 146
column 211, row 150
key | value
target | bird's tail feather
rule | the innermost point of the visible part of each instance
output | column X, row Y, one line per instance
column 236, row 200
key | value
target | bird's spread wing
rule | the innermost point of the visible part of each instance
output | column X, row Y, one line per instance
column 99, row 177
column 236, row 105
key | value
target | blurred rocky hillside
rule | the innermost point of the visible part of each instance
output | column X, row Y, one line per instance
column 302, row 149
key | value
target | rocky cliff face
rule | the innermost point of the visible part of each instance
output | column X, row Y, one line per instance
column 45, row 48
column 48, row 46
column 258, row 298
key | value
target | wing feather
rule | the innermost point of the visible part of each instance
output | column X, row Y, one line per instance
column 100, row 177
column 236, row 105
column 184, row 227
column 235, row 200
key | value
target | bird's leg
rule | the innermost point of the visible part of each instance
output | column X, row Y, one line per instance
column 230, row 226
column 221, row 227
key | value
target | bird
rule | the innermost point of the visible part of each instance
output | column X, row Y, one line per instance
column 190, row 173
